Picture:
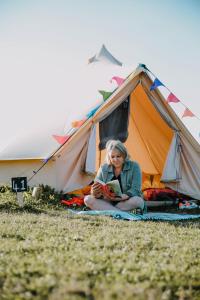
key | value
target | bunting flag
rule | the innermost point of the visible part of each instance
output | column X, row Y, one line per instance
column 61, row 139
column 77, row 124
column 92, row 112
column 187, row 113
column 156, row 84
column 118, row 80
column 105, row 94
column 172, row 98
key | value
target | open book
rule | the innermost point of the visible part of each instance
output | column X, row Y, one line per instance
column 111, row 188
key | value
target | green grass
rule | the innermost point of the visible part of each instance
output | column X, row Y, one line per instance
column 47, row 253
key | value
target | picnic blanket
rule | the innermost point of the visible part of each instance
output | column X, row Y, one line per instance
column 160, row 216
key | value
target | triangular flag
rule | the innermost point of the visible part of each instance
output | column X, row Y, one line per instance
column 77, row 124
column 155, row 84
column 61, row 139
column 187, row 113
column 105, row 94
column 92, row 112
column 172, row 98
column 118, row 80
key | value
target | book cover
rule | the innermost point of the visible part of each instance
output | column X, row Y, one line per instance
column 111, row 188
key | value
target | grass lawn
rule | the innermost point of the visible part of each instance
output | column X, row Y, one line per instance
column 47, row 253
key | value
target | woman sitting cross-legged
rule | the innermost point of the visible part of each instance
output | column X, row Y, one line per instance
column 117, row 166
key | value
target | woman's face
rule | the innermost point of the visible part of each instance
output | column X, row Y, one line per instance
column 116, row 158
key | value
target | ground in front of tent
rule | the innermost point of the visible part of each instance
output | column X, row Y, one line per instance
column 48, row 253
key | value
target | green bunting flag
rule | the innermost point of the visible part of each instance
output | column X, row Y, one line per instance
column 105, row 94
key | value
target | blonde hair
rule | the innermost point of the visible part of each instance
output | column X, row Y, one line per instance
column 118, row 145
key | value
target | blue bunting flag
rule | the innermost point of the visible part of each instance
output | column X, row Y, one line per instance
column 155, row 84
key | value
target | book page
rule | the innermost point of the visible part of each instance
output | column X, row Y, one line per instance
column 115, row 187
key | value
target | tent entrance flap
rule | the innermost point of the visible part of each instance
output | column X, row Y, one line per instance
column 172, row 170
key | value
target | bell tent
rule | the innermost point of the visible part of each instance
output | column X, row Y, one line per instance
column 135, row 112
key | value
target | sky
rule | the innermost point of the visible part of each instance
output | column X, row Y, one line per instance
column 45, row 46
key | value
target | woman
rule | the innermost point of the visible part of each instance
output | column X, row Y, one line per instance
column 117, row 166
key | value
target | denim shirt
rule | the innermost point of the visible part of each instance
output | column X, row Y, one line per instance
column 131, row 178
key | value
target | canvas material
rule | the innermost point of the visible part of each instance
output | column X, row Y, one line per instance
column 190, row 171
column 172, row 171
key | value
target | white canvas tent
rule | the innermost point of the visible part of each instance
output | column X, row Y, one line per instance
column 157, row 139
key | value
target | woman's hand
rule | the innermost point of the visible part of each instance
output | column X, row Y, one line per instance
column 124, row 197
column 109, row 197
column 96, row 190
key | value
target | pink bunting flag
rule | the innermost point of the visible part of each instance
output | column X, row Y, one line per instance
column 118, row 80
column 172, row 98
column 61, row 139
column 187, row 113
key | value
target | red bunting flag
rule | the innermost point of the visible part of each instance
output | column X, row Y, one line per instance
column 172, row 98
column 61, row 139
column 187, row 113
column 118, row 80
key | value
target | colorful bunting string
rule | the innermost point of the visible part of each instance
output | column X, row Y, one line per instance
column 171, row 97
column 106, row 94
column 77, row 124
